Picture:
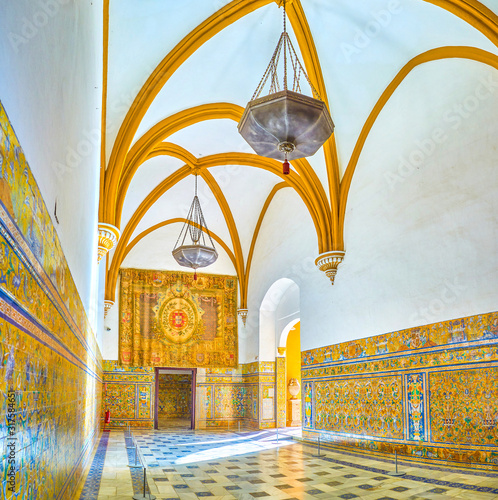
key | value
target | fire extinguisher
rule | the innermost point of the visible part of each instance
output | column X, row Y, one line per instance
column 107, row 419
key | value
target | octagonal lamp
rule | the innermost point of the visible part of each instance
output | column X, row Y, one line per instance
column 199, row 251
column 286, row 125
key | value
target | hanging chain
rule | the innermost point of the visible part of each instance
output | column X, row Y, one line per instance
column 270, row 73
column 285, row 50
column 195, row 224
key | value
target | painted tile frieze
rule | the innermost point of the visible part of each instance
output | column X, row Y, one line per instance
column 447, row 379
column 464, row 330
column 42, row 393
column 398, row 361
column 229, row 401
column 50, row 364
column 30, row 224
column 128, row 395
column 17, row 278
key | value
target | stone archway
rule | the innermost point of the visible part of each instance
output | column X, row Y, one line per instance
column 279, row 313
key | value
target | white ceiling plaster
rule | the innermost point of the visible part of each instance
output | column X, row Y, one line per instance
column 362, row 47
column 148, row 176
column 176, row 203
column 154, row 252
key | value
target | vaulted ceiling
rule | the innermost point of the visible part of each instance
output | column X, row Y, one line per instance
column 177, row 76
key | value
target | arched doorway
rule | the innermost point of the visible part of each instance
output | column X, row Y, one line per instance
column 279, row 313
column 291, row 338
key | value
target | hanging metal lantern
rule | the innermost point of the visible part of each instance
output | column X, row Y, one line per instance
column 285, row 124
column 197, row 252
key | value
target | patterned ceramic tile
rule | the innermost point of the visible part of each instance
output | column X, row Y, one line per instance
column 174, row 398
column 50, row 365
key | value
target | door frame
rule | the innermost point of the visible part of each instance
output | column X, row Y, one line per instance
column 193, row 371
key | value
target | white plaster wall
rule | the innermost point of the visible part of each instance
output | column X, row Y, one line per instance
column 421, row 241
column 50, row 85
column 286, row 248
column 287, row 311
column 279, row 308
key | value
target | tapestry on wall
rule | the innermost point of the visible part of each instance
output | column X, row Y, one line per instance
column 170, row 319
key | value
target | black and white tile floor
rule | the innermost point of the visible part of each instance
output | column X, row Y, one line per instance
column 224, row 465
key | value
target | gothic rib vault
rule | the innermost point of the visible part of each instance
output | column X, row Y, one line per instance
column 174, row 107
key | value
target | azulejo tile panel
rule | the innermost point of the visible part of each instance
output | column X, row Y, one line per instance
column 415, row 398
column 129, row 395
column 174, row 396
column 227, row 397
column 444, row 379
column 229, row 401
column 307, row 395
column 463, row 406
column 50, row 365
column 281, row 392
column 478, row 331
column 224, row 396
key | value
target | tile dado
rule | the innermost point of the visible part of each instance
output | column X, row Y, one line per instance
column 229, row 396
column 50, row 365
column 129, row 395
column 428, row 393
column 224, row 397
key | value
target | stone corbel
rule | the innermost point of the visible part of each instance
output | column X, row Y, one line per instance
column 108, row 237
column 243, row 315
column 107, row 306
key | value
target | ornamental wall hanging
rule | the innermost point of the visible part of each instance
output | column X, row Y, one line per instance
column 169, row 319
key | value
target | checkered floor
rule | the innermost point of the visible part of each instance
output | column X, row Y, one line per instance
column 191, row 465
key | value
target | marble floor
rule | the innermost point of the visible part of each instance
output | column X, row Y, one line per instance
column 173, row 424
column 190, row 465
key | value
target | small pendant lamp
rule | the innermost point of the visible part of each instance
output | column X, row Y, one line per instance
column 285, row 124
column 199, row 251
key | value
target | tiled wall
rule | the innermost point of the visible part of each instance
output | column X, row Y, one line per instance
column 175, row 396
column 129, row 395
column 224, row 397
column 50, row 365
column 429, row 392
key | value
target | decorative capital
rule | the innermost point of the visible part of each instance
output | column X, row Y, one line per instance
column 328, row 263
column 108, row 237
column 107, row 306
column 281, row 350
column 243, row 315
